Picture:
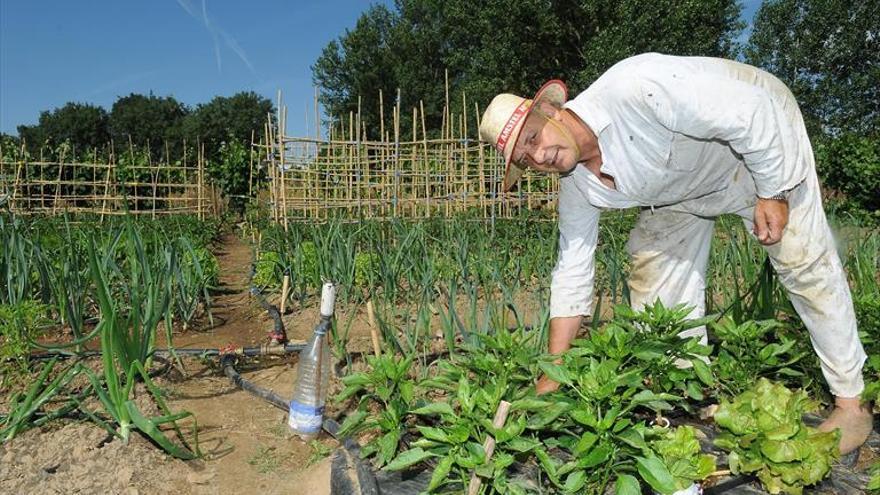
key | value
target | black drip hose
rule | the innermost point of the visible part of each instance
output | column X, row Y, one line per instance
column 278, row 333
column 227, row 362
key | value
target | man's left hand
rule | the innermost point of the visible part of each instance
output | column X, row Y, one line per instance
column 771, row 217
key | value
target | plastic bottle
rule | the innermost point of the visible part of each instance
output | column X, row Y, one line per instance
column 306, row 412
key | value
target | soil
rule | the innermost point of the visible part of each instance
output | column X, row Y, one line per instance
column 246, row 444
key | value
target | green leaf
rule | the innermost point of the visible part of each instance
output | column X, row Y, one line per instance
column 586, row 418
column 432, row 433
column 556, row 373
column 597, row 456
column 634, row 438
column 464, row 395
column 441, row 408
column 655, row 473
column 529, row 404
column 520, row 444
column 388, row 446
column 587, row 440
column 627, row 485
column 575, row 481
column 352, row 423
column 438, row 477
column 703, row 372
column 407, row 459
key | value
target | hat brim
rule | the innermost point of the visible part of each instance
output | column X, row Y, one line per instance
column 554, row 92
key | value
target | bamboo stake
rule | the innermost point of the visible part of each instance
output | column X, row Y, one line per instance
column 397, row 155
column 374, row 331
column 199, row 161
column 427, row 164
column 251, row 167
column 489, row 444
column 285, row 287
column 281, row 152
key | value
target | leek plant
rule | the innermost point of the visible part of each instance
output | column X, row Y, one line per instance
column 148, row 298
column 115, row 392
column 24, row 406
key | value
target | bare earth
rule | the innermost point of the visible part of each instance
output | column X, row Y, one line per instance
column 245, row 441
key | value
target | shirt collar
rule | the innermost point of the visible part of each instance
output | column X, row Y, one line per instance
column 592, row 114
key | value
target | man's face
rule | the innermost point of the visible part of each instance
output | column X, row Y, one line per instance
column 545, row 144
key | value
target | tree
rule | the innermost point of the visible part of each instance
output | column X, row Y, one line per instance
column 82, row 125
column 224, row 126
column 828, row 53
column 148, row 119
column 358, row 65
column 227, row 118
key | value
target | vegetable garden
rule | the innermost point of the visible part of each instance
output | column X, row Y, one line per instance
column 120, row 323
column 92, row 312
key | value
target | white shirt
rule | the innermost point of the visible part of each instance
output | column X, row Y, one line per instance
column 670, row 129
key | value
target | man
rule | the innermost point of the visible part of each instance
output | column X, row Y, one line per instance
column 686, row 139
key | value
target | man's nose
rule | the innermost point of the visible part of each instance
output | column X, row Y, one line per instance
column 540, row 155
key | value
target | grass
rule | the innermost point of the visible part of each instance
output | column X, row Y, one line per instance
column 266, row 459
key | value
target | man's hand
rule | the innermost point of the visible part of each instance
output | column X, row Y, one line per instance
column 562, row 332
column 771, row 217
column 545, row 385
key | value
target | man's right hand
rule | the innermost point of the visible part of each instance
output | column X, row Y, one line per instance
column 545, row 385
column 562, row 332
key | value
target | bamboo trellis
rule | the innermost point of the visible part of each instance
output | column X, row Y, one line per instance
column 52, row 187
column 348, row 176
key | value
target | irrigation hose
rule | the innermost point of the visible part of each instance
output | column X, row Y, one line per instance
column 227, row 362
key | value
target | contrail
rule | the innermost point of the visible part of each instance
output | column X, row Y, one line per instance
column 216, row 33
column 115, row 83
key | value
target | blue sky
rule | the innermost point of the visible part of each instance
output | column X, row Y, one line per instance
column 56, row 51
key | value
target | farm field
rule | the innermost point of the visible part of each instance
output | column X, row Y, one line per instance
column 459, row 307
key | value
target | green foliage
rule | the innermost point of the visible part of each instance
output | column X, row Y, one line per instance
column 82, row 125
column 228, row 119
column 874, row 482
column 306, row 263
column 366, row 269
column 680, row 451
column 828, row 53
column 765, row 435
column 850, row 164
column 757, row 349
column 230, row 171
column 588, row 433
column 266, row 273
column 386, row 396
column 148, row 119
column 19, row 325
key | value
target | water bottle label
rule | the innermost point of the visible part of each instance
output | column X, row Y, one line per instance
column 305, row 418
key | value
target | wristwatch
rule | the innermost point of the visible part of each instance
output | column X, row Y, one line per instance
column 781, row 195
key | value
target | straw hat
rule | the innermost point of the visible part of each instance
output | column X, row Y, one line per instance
column 504, row 118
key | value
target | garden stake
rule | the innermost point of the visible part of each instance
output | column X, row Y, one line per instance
column 285, row 288
column 489, row 444
column 374, row 332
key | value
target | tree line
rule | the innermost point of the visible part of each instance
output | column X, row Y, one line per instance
column 157, row 124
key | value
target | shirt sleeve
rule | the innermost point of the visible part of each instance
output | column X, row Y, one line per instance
column 762, row 126
column 571, row 287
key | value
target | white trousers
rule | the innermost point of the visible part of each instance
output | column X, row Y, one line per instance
column 670, row 251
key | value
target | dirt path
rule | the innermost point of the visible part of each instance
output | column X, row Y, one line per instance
column 245, row 441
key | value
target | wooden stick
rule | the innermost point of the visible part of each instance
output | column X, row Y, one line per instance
column 489, row 444
column 285, row 288
column 374, row 331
